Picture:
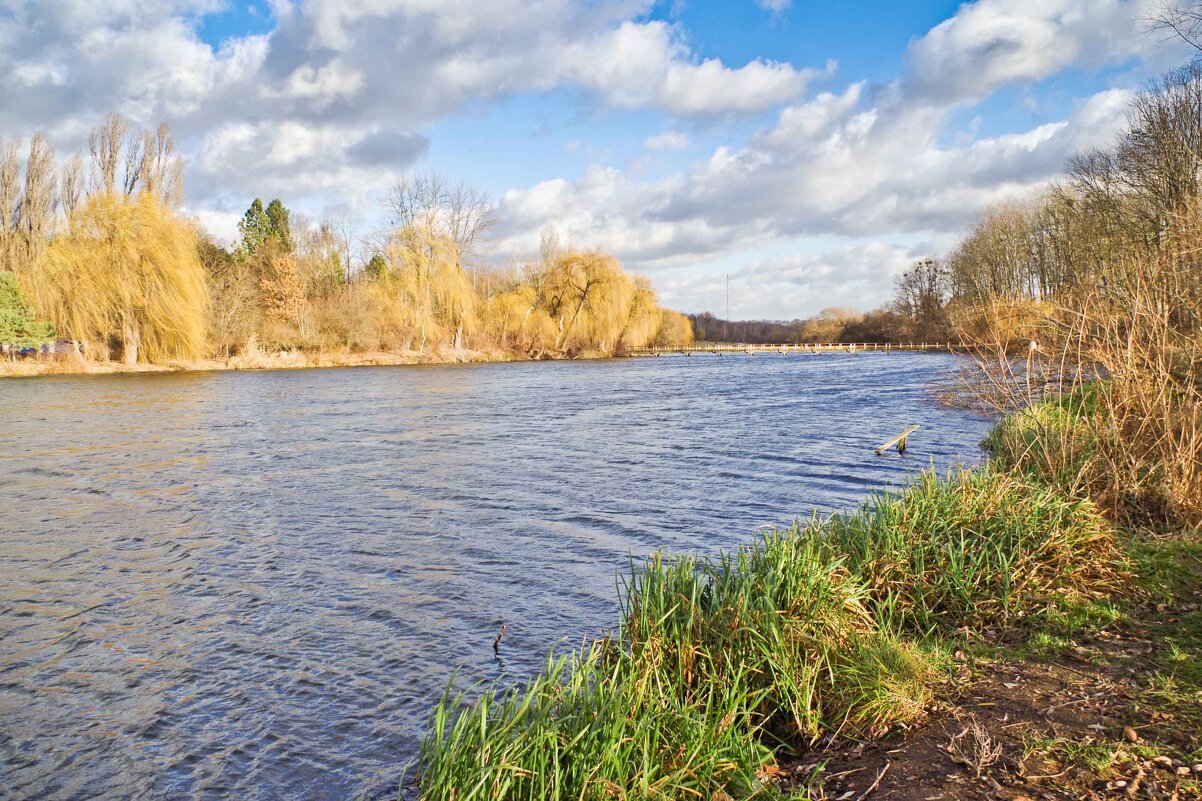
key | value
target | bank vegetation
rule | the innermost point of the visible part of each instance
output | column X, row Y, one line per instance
column 96, row 252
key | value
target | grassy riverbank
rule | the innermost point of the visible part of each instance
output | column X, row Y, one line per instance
column 740, row 677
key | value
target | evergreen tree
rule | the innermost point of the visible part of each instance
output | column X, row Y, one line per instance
column 377, row 267
column 277, row 220
column 255, row 228
column 17, row 324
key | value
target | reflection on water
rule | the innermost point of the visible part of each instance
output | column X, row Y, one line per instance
column 254, row 585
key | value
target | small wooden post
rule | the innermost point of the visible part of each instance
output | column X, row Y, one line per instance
column 899, row 441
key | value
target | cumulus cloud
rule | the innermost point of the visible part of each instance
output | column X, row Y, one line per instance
column 339, row 86
column 830, row 166
column 868, row 161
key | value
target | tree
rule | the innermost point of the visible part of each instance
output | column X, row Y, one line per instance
column 18, row 326
column 105, row 145
column 1180, row 18
column 424, row 274
column 277, row 225
column 588, row 296
column 376, row 266
column 922, row 294
column 254, row 228
column 36, row 211
column 10, row 197
column 126, row 271
column 674, row 330
column 457, row 211
column 71, row 184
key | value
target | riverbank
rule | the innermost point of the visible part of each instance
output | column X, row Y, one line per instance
column 987, row 634
column 280, row 360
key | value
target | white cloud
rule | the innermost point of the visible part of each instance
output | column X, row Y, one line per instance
column 336, row 84
column 668, row 140
column 775, row 6
column 990, row 43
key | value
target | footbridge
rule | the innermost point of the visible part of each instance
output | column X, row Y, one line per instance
column 718, row 348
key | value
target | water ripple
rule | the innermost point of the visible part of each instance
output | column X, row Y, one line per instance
column 255, row 585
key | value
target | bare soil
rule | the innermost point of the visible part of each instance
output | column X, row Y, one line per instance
column 1103, row 720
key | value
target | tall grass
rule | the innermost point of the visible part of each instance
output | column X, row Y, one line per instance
column 1124, row 356
column 717, row 665
column 980, row 549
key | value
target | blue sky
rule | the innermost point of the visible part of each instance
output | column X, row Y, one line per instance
column 810, row 150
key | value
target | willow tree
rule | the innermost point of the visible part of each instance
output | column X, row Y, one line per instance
column 674, row 329
column 515, row 319
column 127, row 271
column 643, row 317
column 424, row 274
column 588, row 296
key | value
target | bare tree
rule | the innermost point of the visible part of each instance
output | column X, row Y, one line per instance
column 549, row 246
column 459, row 211
column 160, row 167
column 922, row 293
column 71, row 184
column 346, row 229
column 1180, row 18
column 105, row 145
column 10, row 194
column 136, row 147
column 38, row 200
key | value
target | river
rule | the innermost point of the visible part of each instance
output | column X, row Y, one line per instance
column 255, row 585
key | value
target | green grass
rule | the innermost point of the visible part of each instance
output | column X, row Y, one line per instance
column 718, row 665
column 979, row 550
column 715, row 664
column 1052, row 440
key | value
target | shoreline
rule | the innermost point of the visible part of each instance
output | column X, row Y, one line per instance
column 297, row 360
column 284, row 360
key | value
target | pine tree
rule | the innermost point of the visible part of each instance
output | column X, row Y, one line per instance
column 255, row 228
column 278, row 227
column 377, row 267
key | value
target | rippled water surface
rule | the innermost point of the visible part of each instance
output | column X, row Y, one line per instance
column 255, row 585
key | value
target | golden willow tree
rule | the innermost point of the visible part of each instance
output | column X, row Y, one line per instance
column 127, row 271
column 431, row 295
column 581, row 301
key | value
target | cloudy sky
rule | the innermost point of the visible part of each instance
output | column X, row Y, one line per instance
column 809, row 149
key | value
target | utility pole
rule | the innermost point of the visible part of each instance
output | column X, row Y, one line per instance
column 726, row 325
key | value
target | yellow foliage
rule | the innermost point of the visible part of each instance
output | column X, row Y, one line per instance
column 674, row 330
column 588, row 297
column 126, row 269
column 644, row 318
column 434, row 296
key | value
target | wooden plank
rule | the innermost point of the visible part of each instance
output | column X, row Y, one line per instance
column 899, row 441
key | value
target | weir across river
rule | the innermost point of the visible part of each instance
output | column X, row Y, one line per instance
column 807, row 347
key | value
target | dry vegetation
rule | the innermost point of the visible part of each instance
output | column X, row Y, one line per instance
column 102, row 256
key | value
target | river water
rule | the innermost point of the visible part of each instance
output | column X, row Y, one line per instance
column 255, row 585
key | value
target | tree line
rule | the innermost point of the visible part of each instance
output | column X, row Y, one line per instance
column 98, row 251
